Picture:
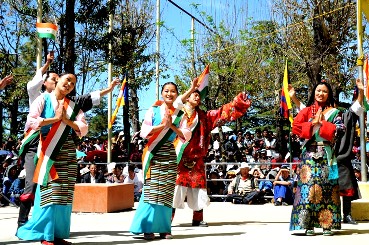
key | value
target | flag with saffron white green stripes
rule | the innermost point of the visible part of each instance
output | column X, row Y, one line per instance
column 46, row 30
column 204, row 82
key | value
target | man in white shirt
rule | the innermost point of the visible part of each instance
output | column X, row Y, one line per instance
column 133, row 178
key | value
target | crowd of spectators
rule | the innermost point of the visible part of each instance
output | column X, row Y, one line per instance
column 261, row 150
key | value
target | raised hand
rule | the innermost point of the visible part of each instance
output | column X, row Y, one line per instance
column 5, row 81
column 167, row 120
column 318, row 117
column 59, row 112
column 359, row 84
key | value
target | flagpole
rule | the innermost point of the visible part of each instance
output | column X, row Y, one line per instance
column 109, row 81
column 39, row 40
column 360, row 62
column 157, row 47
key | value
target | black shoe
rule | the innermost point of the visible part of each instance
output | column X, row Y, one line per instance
column 277, row 203
column 349, row 220
column 200, row 223
column 20, row 224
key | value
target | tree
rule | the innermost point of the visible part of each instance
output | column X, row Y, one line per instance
column 319, row 38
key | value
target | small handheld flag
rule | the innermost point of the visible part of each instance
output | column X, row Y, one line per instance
column 46, row 30
column 204, row 82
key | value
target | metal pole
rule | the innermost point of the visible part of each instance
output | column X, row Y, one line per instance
column 109, row 81
column 39, row 40
column 193, row 45
column 360, row 63
column 157, row 46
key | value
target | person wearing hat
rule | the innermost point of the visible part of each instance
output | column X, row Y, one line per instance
column 191, row 178
column 45, row 81
column 244, row 188
column 283, row 185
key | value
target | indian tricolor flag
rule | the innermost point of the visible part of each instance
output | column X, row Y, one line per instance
column 46, row 30
column 204, row 82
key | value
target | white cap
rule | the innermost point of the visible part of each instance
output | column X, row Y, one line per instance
column 111, row 166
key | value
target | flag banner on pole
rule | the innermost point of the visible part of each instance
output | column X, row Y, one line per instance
column 46, row 30
column 365, row 8
column 285, row 104
column 121, row 100
column 365, row 82
column 366, row 76
column 203, row 82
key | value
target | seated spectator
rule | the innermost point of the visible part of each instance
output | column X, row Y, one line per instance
column 17, row 187
column 11, row 174
column 134, row 179
column 215, row 187
column 230, row 175
column 93, row 176
column 114, row 173
column 243, row 188
column 283, row 185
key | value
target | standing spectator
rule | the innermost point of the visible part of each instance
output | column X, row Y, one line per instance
column 270, row 144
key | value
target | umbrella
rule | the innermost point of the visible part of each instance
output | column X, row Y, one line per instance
column 80, row 154
column 101, row 155
column 225, row 129
column 5, row 152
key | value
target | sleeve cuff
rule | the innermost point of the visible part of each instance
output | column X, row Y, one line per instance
column 357, row 108
column 95, row 97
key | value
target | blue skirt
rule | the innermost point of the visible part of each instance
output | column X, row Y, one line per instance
column 47, row 223
column 151, row 218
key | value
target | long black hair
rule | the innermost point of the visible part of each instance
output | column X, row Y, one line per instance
column 169, row 83
column 330, row 100
column 45, row 77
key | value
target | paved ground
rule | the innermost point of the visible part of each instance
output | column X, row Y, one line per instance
column 229, row 223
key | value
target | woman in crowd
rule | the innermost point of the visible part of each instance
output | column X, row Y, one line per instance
column 56, row 169
column 317, row 198
column 162, row 123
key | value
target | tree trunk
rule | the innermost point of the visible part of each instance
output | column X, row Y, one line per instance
column 70, row 33
column 13, row 117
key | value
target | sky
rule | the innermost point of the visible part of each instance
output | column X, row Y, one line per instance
column 179, row 23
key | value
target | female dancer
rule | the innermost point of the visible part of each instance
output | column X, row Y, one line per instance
column 56, row 169
column 163, row 122
column 317, row 198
